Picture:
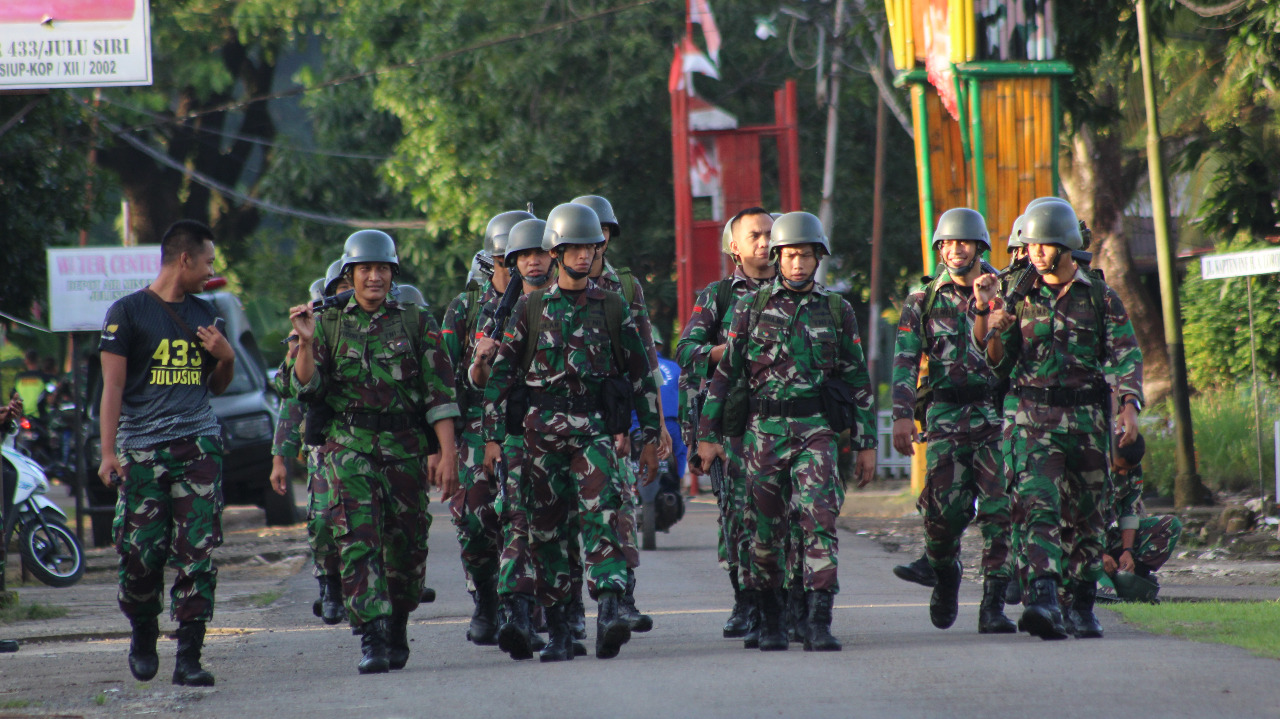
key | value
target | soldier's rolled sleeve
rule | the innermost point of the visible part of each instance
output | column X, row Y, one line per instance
column 437, row 373
column 732, row 364
column 314, row 389
column 693, row 351
column 503, row 373
column 452, row 330
column 1122, row 348
column 281, row 383
column 906, row 357
column 287, row 441
column 1011, row 339
column 853, row 369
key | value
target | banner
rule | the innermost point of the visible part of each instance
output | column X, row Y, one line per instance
column 74, row 43
column 83, row 282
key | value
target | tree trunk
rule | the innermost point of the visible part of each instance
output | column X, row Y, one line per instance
column 1100, row 178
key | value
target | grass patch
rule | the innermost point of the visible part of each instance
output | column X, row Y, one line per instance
column 20, row 612
column 100, row 699
column 16, row 704
column 265, row 599
column 1254, row 626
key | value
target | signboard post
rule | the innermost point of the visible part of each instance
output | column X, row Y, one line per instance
column 74, row 43
column 83, row 282
column 1246, row 264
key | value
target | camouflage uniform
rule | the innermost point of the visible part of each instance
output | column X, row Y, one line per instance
column 1155, row 537
column 472, row 507
column 788, row 352
column 1060, row 444
column 693, row 353
column 376, row 374
column 288, row 443
column 963, row 425
column 566, row 464
column 169, row 512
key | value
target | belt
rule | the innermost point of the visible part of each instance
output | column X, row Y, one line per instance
column 577, row 404
column 1059, row 397
column 969, row 394
column 473, row 397
column 379, row 422
column 784, row 407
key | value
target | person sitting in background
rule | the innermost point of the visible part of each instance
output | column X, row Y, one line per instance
column 1135, row 544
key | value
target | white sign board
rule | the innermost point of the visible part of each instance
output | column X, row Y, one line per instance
column 1240, row 264
column 83, row 282
column 74, row 43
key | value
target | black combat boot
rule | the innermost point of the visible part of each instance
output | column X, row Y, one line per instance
column 516, row 636
column 751, row 640
column 945, row 602
column 398, row 640
column 559, row 640
column 773, row 636
column 627, row 607
column 143, row 660
column 331, row 609
column 1042, row 617
column 612, row 631
column 819, row 638
column 317, row 607
column 797, row 613
column 373, row 643
column 1013, row 591
column 919, row 571
column 991, row 618
column 1087, row 624
column 483, row 630
column 740, row 618
column 428, row 595
column 578, row 616
column 187, row 670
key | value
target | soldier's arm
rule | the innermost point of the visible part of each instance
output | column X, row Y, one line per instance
column 287, row 441
column 853, row 369
column 640, row 313
column 281, row 383
column 1122, row 349
column 908, row 346
column 644, row 389
column 693, row 351
column 731, row 365
column 1129, row 500
column 504, row 373
column 314, row 389
column 452, row 332
column 437, row 372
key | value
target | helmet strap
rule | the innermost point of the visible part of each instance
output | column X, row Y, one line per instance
column 1057, row 260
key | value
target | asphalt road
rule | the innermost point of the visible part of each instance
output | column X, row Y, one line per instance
column 280, row 661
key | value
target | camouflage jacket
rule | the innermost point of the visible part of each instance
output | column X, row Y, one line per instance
column 790, row 351
column 458, row 342
column 1124, row 507
column 572, row 356
column 693, row 351
column 1054, row 344
column 374, row 370
column 609, row 280
column 288, row 438
column 954, row 359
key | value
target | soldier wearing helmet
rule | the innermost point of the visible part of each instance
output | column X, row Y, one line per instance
column 562, row 385
column 1056, row 346
column 701, row 346
column 471, row 507
column 380, row 367
column 962, row 423
column 794, row 359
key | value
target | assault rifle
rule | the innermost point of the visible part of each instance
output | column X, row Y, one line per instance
column 1021, row 288
column 500, row 316
column 337, row 300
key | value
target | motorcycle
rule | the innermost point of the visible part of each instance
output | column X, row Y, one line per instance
column 49, row 550
column 662, row 503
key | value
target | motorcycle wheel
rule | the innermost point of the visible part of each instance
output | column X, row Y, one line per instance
column 649, row 527
column 54, row 556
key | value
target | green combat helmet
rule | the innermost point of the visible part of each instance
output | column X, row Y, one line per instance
column 726, row 237
column 1133, row 588
column 496, row 233
column 408, row 295
column 317, row 290
column 1052, row 223
column 572, row 224
column 797, row 228
column 370, row 246
column 603, row 210
column 1015, row 235
column 962, row 223
column 525, row 235
column 331, row 277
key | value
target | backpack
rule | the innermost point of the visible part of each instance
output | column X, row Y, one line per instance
column 628, row 282
column 615, row 312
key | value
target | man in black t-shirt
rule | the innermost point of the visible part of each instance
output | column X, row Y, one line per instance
column 162, row 358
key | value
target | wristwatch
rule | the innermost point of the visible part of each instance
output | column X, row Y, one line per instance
column 1126, row 549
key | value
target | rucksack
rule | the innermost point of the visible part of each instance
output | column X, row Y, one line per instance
column 615, row 312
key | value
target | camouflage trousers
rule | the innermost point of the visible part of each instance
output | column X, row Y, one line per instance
column 324, row 550
column 1060, row 491
column 965, row 482
column 516, row 573
column 169, row 511
column 472, row 510
column 1153, row 543
column 733, row 541
column 802, row 464
column 625, row 524
column 380, row 521
column 562, row 477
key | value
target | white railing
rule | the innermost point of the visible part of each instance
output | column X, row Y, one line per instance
column 889, row 461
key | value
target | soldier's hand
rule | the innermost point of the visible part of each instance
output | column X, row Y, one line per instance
column 649, row 462
column 1126, row 562
column 486, row 348
column 622, row 445
column 1128, row 423
column 304, row 322
column 985, row 289
column 279, row 475
column 664, row 442
column 446, row 472
column 492, row 455
column 1108, row 563
column 904, row 436
column 864, row 467
column 717, row 353
column 433, row 460
column 709, row 452
column 111, row 465
column 215, row 344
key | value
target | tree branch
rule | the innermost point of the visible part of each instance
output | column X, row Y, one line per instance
column 1211, row 11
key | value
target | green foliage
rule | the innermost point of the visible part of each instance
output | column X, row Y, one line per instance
column 1225, row 439
column 1216, row 325
column 1254, row 626
column 20, row 612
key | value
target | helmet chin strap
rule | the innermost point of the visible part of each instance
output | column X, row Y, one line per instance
column 962, row 271
column 1057, row 260
column 575, row 274
column 537, row 280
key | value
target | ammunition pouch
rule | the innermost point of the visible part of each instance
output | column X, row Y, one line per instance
column 736, row 410
column 838, row 405
column 517, row 409
column 924, row 398
column 616, row 404
column 319, row 415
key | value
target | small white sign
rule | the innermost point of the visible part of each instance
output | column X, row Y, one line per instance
column 1240, row 264
column 83, row 282
column 74, row 43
